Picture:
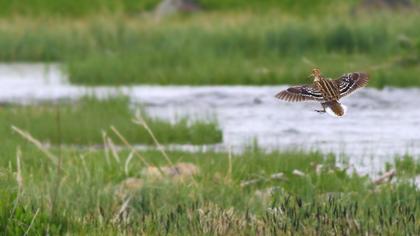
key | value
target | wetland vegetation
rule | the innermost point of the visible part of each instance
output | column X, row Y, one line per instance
column 253, row 193
column 83, row 122
column 73, row 169
column 252, row 47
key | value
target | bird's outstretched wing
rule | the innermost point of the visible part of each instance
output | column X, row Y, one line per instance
column 349, row 82
column 300, row 93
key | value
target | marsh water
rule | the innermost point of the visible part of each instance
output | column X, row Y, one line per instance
column 379, row 125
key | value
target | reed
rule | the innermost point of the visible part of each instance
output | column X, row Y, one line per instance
column 82, row 122
column 249, row 193
column 237, row 48
column 324, row 200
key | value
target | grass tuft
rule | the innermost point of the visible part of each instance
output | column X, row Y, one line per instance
column 323, row 201
column 82, row 122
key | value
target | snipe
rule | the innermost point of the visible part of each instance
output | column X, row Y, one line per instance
column 326, row 91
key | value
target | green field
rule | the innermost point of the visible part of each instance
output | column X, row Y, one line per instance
column 84, row 194
column 83, row 123
column 220, row 47
column 80, row 8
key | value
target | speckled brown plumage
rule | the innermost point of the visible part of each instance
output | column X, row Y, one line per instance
column 326, row 91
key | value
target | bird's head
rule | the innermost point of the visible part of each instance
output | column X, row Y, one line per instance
column 316, row 73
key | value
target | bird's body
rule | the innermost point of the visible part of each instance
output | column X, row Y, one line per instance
column 326, row 91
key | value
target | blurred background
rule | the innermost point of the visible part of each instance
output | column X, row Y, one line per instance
column 231, row 42
column 201, row 76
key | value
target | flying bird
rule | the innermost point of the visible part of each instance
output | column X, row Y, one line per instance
column 326, row 91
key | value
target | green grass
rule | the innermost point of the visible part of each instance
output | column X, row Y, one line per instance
column 80, row 8
column 237, row 48
column 84, row 197
column 77, row 8
column 84, row 121
column 255, row 51
column 236, row 42
column 406, row 166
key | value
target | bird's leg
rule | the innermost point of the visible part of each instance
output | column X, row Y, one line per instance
column 323, row 109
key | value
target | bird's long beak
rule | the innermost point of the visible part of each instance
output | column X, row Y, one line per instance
column 310, row 76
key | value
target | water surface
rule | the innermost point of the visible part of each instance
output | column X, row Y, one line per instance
column 379, row 125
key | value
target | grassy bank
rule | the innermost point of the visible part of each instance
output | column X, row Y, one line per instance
column 236, row 48
column 77, row 8
column 254, row 193
column 84, row 121
column 80, row 8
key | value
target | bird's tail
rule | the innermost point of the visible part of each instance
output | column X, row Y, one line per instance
column 335, row 108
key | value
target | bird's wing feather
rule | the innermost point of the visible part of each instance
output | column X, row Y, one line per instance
column 348, row 83
column 300, row 93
